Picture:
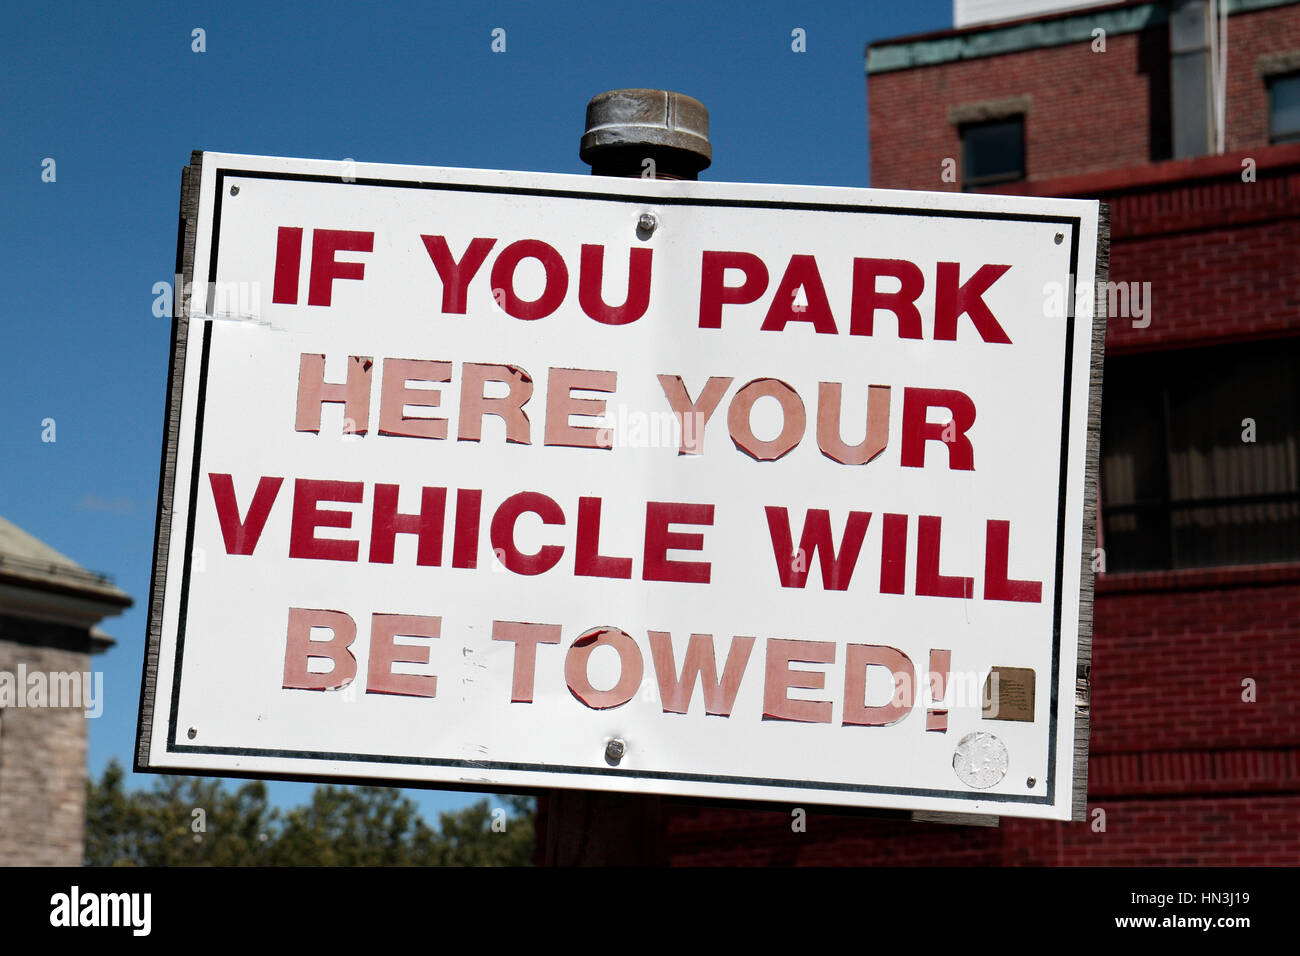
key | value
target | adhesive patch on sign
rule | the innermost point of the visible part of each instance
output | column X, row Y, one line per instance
column 1009, row 694
column 980, row 760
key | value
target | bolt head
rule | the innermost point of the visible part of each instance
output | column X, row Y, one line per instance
column 647, row 222
column 614, row 750
column 234, row 190
column 191, row 733
column 1060, row 237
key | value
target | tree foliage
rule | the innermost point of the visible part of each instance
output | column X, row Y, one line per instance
column 196, row 821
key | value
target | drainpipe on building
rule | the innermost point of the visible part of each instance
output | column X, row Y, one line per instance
column 1219, row 69
column 1193, row 106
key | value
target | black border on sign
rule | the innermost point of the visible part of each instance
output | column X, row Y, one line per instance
column 994, row 798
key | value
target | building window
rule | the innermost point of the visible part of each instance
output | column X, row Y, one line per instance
column 1201, row 458
column 1284, row 109
column 993, row 152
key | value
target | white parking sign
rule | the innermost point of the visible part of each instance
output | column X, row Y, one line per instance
column 502, row 479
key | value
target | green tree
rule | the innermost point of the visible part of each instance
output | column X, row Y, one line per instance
column 489, row 833
column 362, row 826
column 182, row 821
column 196, row 821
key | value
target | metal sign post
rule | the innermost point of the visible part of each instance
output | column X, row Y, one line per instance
column 646, row 134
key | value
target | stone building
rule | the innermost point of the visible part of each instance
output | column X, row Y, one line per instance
column 50, row 607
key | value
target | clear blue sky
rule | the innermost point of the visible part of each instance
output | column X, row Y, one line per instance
column 115, row 95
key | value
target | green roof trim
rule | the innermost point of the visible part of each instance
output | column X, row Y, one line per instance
column 885, row 57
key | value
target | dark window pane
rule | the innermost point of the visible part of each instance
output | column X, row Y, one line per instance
column 993, row 152
column 1237, row 534
column 1183, row 483
column 1134, row 481
column 1284, row 108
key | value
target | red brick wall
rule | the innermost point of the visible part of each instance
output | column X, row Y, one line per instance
column 1236, row 831
column 1168, row 669
column 1250, row 36
column 1089, row 112
column 1184, row 771
column 1221, row 260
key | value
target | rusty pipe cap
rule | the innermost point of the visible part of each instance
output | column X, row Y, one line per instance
column 660, row 119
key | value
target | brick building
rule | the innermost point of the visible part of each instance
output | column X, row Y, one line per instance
column 50, row 607
column 1195, row 144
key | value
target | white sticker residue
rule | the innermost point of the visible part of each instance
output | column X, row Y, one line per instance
column 980, row 760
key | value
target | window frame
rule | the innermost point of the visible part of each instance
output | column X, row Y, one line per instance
column 969, row 183
column 1162, row 508
column 1274, row 138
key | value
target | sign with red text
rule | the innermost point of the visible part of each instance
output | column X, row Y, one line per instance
column 515, row 480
